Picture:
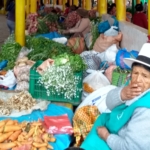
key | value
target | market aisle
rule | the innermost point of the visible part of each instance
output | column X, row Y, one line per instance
column 4, row 32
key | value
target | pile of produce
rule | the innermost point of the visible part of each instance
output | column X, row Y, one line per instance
column 9, row 52
column 18, row 102
column 28, row 136
column 39, row 25
column 60, row 78
column 43, row 48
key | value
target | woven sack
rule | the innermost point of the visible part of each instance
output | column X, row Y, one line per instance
column 83, row 121
column 77, row 44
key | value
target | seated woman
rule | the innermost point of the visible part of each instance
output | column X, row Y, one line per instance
column 139, row 18
column 127, row 127
column 83, row 26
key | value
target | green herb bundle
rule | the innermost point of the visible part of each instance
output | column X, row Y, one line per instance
column 10, row 51
column 44, row 48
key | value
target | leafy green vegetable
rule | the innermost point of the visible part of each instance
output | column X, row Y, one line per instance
column 95, row 33
column 75, row 61
column 10, row 51
column 44, row 48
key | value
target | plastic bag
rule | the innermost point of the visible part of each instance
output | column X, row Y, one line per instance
column 23, row 77
column 58, row 124
column 91, row 59
column 109, row 72
column 103, row 42
column 113, row 31
column 61, row 40
column 22, row 86
column 123, row 53
column 8, row 79
column 97, row 98
column 110, row 54
column 95, row 80
column 23, row 53
column 50, row 35
column 88, row 40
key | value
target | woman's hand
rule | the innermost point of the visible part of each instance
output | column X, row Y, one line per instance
column 103, row 133
column 131, row 91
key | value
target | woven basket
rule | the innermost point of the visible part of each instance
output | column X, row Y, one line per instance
column 119, row 78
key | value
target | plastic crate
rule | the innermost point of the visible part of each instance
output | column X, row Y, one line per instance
column 39, row 92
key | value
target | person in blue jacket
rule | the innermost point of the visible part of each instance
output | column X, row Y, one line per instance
column 10, row 8
column 127, row 127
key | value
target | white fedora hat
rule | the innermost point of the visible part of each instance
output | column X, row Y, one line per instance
column 143, row 57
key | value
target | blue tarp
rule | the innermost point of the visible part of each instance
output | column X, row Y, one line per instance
column 62, row 140
column 50, row 35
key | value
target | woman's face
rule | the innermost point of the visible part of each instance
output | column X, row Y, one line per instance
column 141, row 77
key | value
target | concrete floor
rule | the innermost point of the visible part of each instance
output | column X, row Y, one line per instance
column 4, row 31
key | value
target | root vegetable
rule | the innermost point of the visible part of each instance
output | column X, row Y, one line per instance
column 37, row 139
column 7, row 145
column 10, row 128
column 10, row 122
column 5, row 136
column 14, row 136
column 30, row 133
column 39, row 145
column 50, row 146
column 43, row 148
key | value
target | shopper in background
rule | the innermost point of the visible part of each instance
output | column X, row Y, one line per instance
column 10, row 8
column 139, row 18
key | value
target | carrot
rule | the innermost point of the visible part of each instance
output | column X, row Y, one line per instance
column 30, row 133
column 5, row 136
column 34, row 148
column 50, row 146
column 10, row 128
column 37, row 139
column 7, row 145
column 43, row 148
column 39, row 145
column 48, row 138
column 36, row 124
column 9, row 122
column 2, row 123
column 15, row 135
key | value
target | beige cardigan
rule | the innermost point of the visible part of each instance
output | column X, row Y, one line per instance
column 83, row 26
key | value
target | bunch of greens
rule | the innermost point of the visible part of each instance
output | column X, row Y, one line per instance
column 95, row 33
column 9, row 52
column 75, row 61
column 43, row 48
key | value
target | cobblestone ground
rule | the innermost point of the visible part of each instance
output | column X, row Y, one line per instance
column 4, row 32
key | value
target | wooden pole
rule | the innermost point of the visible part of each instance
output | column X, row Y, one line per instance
column 20, row 22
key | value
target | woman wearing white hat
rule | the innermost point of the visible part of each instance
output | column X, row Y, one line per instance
column 127, row 127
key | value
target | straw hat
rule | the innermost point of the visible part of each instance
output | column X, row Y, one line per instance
column 143, row 57
column 83, row 13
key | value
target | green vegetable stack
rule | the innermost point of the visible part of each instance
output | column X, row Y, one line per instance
column 10, row 51
column 44, row 48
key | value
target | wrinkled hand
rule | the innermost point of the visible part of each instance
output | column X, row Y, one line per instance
column 131, row 91
column 103, row 133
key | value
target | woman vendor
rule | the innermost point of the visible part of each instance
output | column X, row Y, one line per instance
column 83, row 26
column 127, row 127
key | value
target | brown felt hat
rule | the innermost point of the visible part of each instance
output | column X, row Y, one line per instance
column 83, row 13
